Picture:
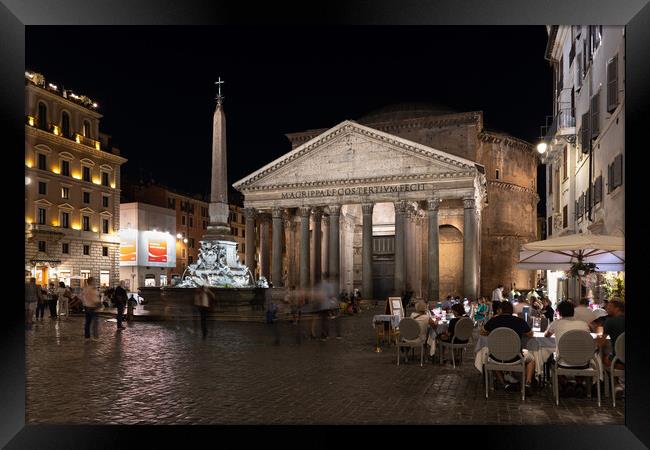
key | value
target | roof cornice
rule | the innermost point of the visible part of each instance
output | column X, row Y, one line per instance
column 372, row 133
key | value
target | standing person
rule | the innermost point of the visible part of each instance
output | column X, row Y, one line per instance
column 131, row 304
column 91, row 304
column 40, row 304
column 52, row 296
column 64, row 295
column 120, row 299
column 497, row 294
column 32, row 298
column 203, row 299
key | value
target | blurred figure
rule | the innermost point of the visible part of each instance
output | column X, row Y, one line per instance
column 131, row 305
column 32, row 298
column 40, row 304
column 91, row 302
column 64, row 295
column 120, row 299
column 52, row 296
column 203, row 300
column 547, row 309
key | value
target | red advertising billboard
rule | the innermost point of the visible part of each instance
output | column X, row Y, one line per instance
column 157, row 250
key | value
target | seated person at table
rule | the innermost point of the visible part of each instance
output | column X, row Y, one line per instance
column 446, row 305
column 548, row 310
column 519, row 326
column 614, row 327
column 424, row 320
column 459, row 311
column 566, row 323
column 481, row 309
column 584, row 313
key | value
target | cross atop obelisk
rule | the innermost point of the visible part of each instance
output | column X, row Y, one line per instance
column 219, row 96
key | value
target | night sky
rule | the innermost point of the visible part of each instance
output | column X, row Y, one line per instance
column 155, row 85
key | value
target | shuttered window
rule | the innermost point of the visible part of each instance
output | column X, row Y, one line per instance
column 549, row 228
column 595, row 115
column 615, row 173
column 565, row 156
column 612, row 84
column 598, row 190
column 585, row 135
column 577, row 209
column 550, row 179
column 578, row 69
column 565, row 213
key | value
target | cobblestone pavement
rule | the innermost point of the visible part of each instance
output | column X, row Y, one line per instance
column 163, row 373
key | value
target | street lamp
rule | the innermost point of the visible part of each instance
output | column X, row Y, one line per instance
column 542, row 147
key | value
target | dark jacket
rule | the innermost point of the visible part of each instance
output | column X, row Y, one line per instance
column 120, row 297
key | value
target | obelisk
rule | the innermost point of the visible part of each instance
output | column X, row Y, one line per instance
column 218, row 228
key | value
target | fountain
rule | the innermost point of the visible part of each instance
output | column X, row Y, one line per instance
column 238, row 295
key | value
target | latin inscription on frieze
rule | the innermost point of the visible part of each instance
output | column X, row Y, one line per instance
column 365, row 190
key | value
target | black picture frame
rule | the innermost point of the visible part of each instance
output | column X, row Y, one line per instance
column 16, row 14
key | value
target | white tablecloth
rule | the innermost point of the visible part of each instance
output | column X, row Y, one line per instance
column 393, row 319
column 547, row 347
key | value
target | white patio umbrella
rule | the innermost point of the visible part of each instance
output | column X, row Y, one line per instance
column 607, row 252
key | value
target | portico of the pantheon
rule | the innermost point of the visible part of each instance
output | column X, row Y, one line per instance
column 362, row 206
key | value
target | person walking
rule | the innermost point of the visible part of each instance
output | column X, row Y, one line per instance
column 40, row 304
column 52, row 296
column 131, row 305
column 120, row 299
column 32, row 298
column 91, row 304
column 64, row 295
column 203, row 299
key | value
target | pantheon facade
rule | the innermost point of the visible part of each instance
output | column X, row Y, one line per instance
column 408, row 198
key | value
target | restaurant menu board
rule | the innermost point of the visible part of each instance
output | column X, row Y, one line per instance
column 157, row 250
column 394, row 307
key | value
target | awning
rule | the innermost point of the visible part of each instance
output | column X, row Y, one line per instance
column 607, row 252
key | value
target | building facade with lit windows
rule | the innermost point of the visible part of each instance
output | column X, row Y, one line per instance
column 585, row 142
column 72, row 195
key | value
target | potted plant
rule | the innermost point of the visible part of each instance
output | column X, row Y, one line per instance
column 580, row 269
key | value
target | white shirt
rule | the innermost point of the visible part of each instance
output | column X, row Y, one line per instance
column 497, row 295
column 423, row 320
column 519, row 307
column 561, row 326
column 585, row 314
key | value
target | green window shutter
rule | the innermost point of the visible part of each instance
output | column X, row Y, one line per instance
column 612, row 84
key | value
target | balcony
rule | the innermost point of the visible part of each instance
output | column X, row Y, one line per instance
column 562, row 125
column 56, row 130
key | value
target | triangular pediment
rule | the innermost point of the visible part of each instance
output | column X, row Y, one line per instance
column 350, row 151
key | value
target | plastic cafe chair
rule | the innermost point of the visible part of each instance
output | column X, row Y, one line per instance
column 409, row 331
column 462, row 332
column 612, row 370
column 578, row 349
column 504, row 353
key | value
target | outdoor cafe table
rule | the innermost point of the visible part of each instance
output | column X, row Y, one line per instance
column 393, row 320
column 382, row 319
column 547, row 346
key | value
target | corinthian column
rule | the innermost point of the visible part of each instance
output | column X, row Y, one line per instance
column 249, row 213
column 276, row 265
column 434, row 250
column 400, row 213
column 317, row 214
column 335, row 262
column 325, row 249
column 265, row 260
column 366, row 251
column 469, row 248
column 304, row 246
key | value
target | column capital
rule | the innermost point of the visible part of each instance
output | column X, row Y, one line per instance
column 263, row 217
column 433, row 204
column 250, row 213
column 400, row 207
column 367, row 208
column 335, row 210
column 469, row 202
column 305, row 211
column 317, row 213
column 277, row 213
